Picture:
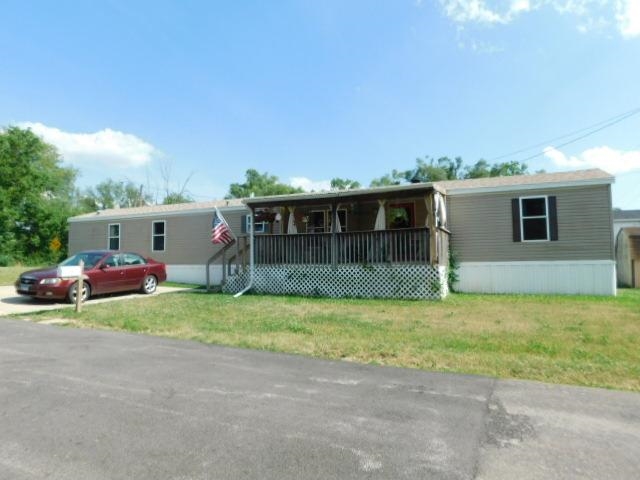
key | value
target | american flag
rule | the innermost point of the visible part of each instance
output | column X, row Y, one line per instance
column 220, row 231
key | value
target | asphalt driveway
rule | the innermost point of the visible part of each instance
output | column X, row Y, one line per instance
column 102, row 405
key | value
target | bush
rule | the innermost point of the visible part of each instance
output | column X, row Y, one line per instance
column 6, row 261
column 452, row 272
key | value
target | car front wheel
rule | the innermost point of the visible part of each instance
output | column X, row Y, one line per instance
column 73, row 291
column 149, row 284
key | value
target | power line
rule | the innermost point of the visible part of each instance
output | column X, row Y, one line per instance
column 619, row 117
column 610, row 124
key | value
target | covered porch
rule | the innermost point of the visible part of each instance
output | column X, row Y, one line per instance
column 378, row 242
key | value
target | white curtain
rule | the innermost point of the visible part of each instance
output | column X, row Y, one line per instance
column 381, row 218
column 338, row 226
column 441, row 210
column 291, row 227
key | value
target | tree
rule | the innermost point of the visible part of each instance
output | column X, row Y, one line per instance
column 110, row 194
column 426, row 170
column 507, row 169
column 173, row 196
column 261, row 185
column 445, row 168
column 176, row 197
column 344, row 184
column 481, row 169
column 396, row 177
column 434, row 170
column 36, row 198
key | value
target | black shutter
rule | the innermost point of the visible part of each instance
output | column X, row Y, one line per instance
column 553, row 219
column 515, row 219
column 243, row 224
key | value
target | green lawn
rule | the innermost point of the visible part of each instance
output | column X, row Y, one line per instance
column 8, row 275
column 574, row 340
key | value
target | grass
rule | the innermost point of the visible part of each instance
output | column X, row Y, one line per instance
column 8, row 275
column 593, row 341
column 182, row 285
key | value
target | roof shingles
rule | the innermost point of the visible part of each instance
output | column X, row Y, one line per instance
column 449, row 186
column 159, row 209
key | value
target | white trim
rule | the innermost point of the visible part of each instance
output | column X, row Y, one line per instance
column 109, row 237
column 532, row 186
column 545, row 262
column 624, row 220
column 195, row 274
column 164, row 235
column 545, row 216
column 99, row 217
column 570, row 277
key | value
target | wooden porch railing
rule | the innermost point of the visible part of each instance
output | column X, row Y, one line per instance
column 410, row 245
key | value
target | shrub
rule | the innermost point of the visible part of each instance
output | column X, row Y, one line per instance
column 452, row 272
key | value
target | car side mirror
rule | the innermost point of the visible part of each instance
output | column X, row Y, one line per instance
column 103, row 266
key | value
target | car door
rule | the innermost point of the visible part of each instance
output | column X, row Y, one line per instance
column 135, row 268
column 111, row 275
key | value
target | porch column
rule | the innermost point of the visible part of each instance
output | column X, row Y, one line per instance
column 430, row 223
column 334, row 240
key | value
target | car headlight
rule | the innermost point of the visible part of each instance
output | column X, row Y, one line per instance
column 50, row 281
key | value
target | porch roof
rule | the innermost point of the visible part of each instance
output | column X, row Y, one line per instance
column 344, row 196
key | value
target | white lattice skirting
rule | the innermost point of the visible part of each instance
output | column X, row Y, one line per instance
column 363, row 281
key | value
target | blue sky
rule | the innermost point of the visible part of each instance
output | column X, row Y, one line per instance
column 311, row 90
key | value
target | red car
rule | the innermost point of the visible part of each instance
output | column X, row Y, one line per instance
column 105, row 271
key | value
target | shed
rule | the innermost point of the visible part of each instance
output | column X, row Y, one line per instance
column 628, row 257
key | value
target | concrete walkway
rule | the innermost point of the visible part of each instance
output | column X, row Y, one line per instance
column 12, row 303
column 91, row 404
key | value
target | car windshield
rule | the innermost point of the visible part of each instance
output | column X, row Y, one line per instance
column 89, row 259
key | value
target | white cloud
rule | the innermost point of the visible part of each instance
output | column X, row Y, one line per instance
column 107, row 147
column 628, row 17
column 606, row 158
column 464, row 11
column 593, row 14
column 309, row 185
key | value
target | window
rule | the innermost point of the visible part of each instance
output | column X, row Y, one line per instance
column 132, row 259
column 158, row 234
column 112, row 261
column 261, row 227
column 534, row 219
column 342, row 219
column 113, row 235
column 317, row 221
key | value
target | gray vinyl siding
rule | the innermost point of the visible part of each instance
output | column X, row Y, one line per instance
column 187, row 236
column 481, row 226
